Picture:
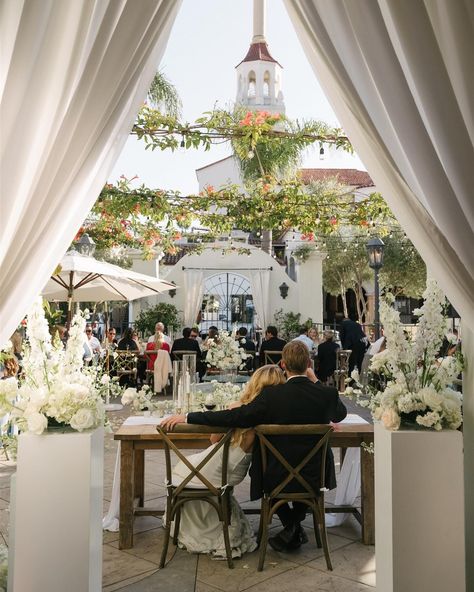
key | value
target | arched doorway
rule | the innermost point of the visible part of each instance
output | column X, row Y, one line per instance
column 227, row 301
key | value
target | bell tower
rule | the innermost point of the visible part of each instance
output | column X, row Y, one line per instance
column 258, row 74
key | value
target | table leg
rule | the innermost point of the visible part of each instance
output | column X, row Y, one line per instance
column 126, row 495
column 139, row 476
column 367, row 496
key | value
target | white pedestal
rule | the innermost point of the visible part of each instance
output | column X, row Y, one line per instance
column 419, row 511
column 57, row 513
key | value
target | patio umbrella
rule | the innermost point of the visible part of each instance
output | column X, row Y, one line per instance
column 82, row 278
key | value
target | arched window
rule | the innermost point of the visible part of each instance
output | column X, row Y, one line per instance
column 252, row 89
column 266, row 84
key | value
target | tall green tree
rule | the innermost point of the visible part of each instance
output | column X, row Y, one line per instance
column 404, row 271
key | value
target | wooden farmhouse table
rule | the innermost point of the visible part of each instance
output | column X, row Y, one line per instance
column 135, row 439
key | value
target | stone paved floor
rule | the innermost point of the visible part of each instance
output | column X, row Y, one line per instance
column 136, row 570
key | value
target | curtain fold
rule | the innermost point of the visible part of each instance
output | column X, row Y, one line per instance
column 398, row 74
column 260, row 286
column 193, row 291
column 403, row 94
column 72, row 77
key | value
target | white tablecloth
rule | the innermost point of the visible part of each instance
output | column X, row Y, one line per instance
column 348, row 480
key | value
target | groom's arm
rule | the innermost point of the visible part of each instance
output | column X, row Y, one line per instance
column 245, row 416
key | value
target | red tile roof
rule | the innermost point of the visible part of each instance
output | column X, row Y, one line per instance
column 258, row 51
column 352, row 177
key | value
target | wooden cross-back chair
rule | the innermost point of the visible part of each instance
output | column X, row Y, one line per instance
column 272, row 357
column 313, row 498
column 125, row 363
column 218, row 496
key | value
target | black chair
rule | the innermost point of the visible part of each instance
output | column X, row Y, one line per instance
column 177, row 495
column 275, row 498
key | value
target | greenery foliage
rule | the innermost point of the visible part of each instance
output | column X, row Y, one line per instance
column 163, row 96
column 288, row 323
column 166, row 313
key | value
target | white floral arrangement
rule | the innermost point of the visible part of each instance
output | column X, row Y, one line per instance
column 54, row 388
column 411, row 383
column 140, row 400
column 224, row 352
column 222, row 394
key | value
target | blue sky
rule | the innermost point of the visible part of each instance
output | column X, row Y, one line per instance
column 209, row 38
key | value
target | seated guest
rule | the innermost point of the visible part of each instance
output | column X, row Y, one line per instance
column 92, row 341
column 161, row 328
column 212, row 334
column 327, row 355
column 157, row 344
column 304, row 338
column 314, row 336
column 111, row 339
column 185, row 343
column 127, row 342
column 248, row 345
column 271, row 343
column 195, row 335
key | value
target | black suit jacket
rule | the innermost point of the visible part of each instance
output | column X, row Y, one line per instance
column 298, row 401
column 183, row 344
column 327, row 355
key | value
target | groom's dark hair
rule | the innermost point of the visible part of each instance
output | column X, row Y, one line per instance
column 296, row 357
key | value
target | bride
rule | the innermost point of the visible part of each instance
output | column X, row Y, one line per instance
column 200, row 530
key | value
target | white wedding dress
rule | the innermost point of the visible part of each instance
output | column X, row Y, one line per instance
column 200, row 530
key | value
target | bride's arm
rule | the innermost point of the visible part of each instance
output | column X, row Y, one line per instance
column 216, row 437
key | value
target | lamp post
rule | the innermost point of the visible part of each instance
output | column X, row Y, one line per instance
column 85, row 245
column 375, row 248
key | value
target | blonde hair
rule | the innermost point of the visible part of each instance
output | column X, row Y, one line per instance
column 268, row 375
column 158, row 339
column 10, row 367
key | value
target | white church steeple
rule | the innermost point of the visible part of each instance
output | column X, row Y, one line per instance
column 258, row 74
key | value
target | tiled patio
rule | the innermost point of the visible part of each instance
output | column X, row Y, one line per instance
column 136, row 569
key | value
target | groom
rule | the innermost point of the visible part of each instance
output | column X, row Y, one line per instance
column 299, row 401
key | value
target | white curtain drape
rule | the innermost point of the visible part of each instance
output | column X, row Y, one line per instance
column 398, row 74
column 260, row 286
column 399, row 77
column 72, row 77
column 193, row 291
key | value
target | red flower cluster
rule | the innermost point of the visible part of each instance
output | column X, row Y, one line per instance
column 257, row 118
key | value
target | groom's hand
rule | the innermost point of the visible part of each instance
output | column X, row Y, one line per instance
column 169, row 422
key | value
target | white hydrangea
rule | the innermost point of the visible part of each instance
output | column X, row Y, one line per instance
column 224, row 352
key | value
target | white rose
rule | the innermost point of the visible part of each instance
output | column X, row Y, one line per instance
column 82, row 420
column 37, row 423
column 129, row 395
column 105, row 379
column 390, row 419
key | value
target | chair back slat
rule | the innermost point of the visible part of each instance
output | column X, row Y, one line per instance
column 294, row 472
column 272, row 357
column 195, row 471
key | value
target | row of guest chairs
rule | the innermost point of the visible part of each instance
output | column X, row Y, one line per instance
column 219, row 495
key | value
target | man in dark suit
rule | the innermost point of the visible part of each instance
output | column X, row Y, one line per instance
column 186, row 343
column 353, row 338
column 271, row 343
column 327, row 356
column 298, row 401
